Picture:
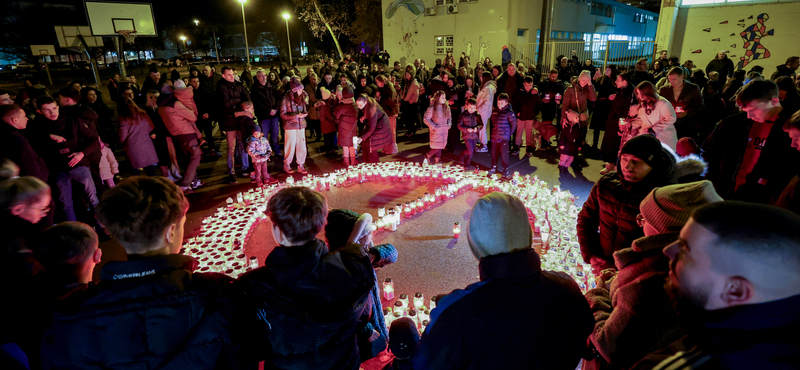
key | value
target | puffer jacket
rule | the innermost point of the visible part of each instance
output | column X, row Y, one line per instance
column 313, row 113
column 325, row 109
column 307, row 301
column 345, row 114
column 152, row 312
column 179, row 119
column 291, row 107
column 376, row 127
column 409, row 92
column 438, row 122
column 634, row 314
column 486, row 100
column 607, row 222
column 259, row 149
column 504, row 122
column 469, row 120
column 108, row 164
column 389, row 101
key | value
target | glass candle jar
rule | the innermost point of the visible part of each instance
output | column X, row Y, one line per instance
column 419, row 301
column 388, row 289
column 403, row 300
column 456, row 230
column 398, row 308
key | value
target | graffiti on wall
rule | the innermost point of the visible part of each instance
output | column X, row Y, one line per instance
column 750, row 31
column 404, row 15
column 752, row 36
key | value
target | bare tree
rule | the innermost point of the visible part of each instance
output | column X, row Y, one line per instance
column 367, row 26
column 326, row 16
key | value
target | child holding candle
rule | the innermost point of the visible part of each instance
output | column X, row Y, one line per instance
column 439, row 119
column 259, row 150
column 373, row 334
column 470, row 123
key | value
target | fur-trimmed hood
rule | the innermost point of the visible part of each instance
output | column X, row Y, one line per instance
column 690, row 168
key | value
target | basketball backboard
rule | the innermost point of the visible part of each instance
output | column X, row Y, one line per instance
column 68, row 37
column 108, row 18
column 43, row 50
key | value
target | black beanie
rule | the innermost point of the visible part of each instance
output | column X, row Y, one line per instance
column 340, row 225
column 403, row 338
column 645, row 147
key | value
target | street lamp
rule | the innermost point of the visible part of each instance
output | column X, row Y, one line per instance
column 183, row 38
column 214, row 34
column 244, row 24
column 196, row 22
column 288, row 39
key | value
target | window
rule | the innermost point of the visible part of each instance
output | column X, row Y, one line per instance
column 439, row 2
column 449, row 2
column 601, row 9
column 443, row 44
column 521, row 32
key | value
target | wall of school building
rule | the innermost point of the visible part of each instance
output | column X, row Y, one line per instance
column 772, row 30
column 481, row 28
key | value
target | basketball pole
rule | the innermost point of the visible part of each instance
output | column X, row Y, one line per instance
column 92, row 60
column 47, row 69
column 120, row 55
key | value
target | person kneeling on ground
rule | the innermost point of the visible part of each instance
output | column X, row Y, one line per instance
column 517, row 316
column 308, row 299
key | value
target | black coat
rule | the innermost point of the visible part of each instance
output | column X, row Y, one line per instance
column 79, row 129
column 17, row 148
column 619, row 109
column 516, row 317
column 146, row 313
column 724, row 67
column 526, row 105
column 229, row 97
column 307, row 301
column 724, row 150
column 265, row 98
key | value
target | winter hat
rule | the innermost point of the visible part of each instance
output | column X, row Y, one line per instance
column 325, row 93
column 179, row 84
column 347, row 92
column 686, row 146
column 295, row 84
column 668, row 208
column 498, row 223
column 340, row 225
column 645, row 147
column 166, row 89
column 403, row 338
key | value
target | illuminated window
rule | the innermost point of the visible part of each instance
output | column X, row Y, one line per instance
column 443, row 44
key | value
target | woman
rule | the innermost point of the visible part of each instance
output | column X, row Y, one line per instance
column 574, row 117
column 605, row 86
column 787, row 92
column 658, row 70
column 438, row 118
column 345, row 114
column 410, row 91
column 621, row 102
column 377, row 133
column 657, row 114
column 470, row 88
column 162, row 140
column 93, row 99
column 387, row 98
column 314, row 124
column 135, row 130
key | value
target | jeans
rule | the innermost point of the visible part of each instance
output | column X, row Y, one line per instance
column 189, row 146
column 330, row 142
column 466, row 155
column 271, row 128
column 262, row 172
column 236, row 147
column 525, row 129
column 207, row 127
column 502, row 149
column 81, row 175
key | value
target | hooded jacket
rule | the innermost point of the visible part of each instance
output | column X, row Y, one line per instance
column 469, row 120
column 438, row 122
column 345, row 114
column 178, row 118
column 258, row 149
column 376, row 126
column 504, row 123
column 291, row 106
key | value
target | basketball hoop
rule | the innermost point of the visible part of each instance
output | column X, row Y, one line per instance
column 130, row 35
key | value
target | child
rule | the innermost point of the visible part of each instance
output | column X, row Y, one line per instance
column 504, row 122
column 470, row 123
column 260, row 151
column 439, row 119
column 246, row 123
column 108, row 165
column 403, row 342
column 345, row 114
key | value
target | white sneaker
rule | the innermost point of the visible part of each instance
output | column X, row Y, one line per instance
column 171, row 178
column 482, row 149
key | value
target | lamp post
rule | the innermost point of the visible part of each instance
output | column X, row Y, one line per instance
column 288, row 39
column 244, row 24
column 214, row 34
column 183, row 38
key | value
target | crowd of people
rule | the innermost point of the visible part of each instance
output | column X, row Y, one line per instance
column 690, row 230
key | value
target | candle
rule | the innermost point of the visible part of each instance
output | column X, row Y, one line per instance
column 407, row 210
column 419, row 301
column 398, row 308
column 423, row 326
column 381, row 211
column 229, row 203
column 388, row 289
column 412, row 314
column 434, row 299
column 403, row 300
column 456, row 230
column 622, row 121
column 387, row 317
column 398, row 208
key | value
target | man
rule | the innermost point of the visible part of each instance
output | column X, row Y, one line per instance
column 151, row 82
column 16, row 147
column 422, row 74
column 790, row 197
column 113, row 86
column 171, row 316
column 267, row 102
column 246, row 77
column 607, row 222
column 748, row 152
column 131, row 81
column 437, row 69
column 641, row 73
column 204, row 102
column 662, row 57
column 739, row 279
column 230, row 94
column 294, row 110
column 485, row 102
column 510, row 83
column 69, row 252
column 210, row 80
column 633, row 312
column 722, row 65
column 308, row 298
column 517, row 316
column 78, row 146
column 527, row 106
column 788, row 69
column 397, row 72
column 687, row 101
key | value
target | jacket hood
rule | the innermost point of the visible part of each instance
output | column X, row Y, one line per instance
column 643, row 247
column 691, row 165
column 184, row 93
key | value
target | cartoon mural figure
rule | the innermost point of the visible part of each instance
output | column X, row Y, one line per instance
column 416, row 7
column 483, row 47
column 752, row 41
column 409, row 48
column 468, row 45
column 407, row 21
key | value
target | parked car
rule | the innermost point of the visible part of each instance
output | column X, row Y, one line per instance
column 157, row 61
column 23, row 65
column 231, row 58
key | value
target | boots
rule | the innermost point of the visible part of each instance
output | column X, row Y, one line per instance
column 346, row 161
column 353, row 160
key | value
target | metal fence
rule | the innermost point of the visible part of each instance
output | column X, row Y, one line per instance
column 601, row 52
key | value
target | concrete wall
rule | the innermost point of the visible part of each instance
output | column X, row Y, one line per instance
column 701, row 32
